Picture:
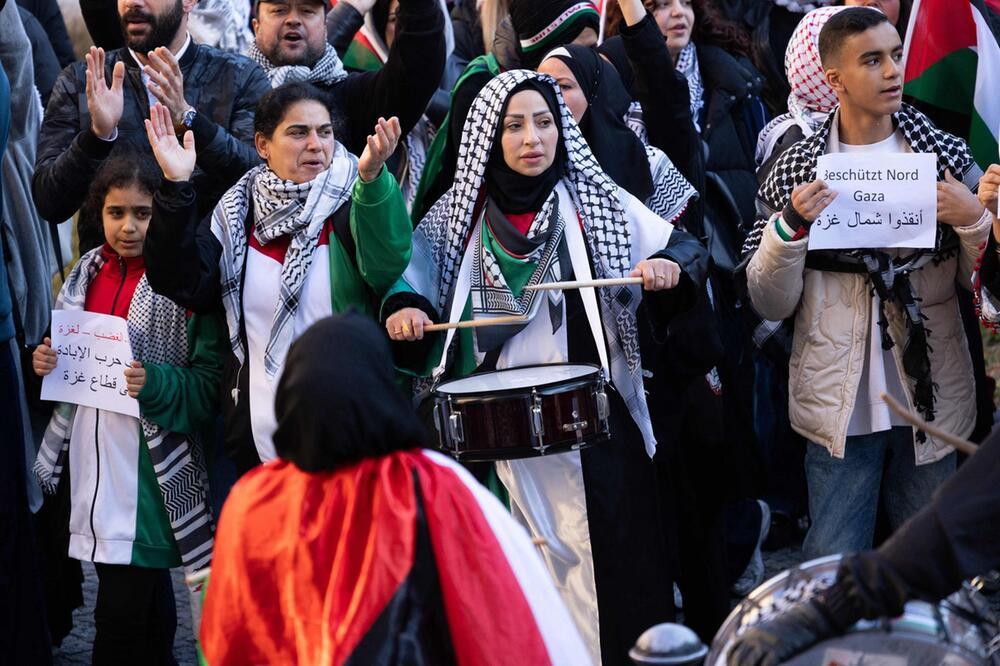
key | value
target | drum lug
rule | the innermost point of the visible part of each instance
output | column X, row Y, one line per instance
column 455, row 427
column 602, row 404
column 537, row 426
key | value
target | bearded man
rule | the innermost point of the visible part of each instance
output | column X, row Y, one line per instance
column 98, row 107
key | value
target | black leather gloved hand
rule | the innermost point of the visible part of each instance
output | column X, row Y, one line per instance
column 774, row 642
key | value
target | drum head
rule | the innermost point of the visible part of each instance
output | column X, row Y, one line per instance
column 954, row 632
column 517, row 378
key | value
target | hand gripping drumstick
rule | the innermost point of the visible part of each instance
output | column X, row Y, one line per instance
column 962, row 445
column 582, row 284
column 476, row 323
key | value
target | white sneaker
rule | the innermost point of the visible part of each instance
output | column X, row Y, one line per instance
column 753, row 575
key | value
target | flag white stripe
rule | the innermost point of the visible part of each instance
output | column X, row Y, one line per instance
column 987, row 99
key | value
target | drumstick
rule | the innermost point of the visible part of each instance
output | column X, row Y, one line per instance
column 581, row 284
column 962, row 445
column 476, row 323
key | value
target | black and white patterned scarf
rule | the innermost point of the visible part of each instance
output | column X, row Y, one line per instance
column 439, row 241
column 687, row 64
column 281, row 208
column 157, row 329
column 327, row 70
column 889, row 277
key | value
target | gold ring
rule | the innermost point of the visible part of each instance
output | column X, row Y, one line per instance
column 406, row 329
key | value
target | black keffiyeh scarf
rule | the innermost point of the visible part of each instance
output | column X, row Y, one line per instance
column 439, row 242
column 327, row 70
column 281, row 208
column 157, row 329
column 889, row 277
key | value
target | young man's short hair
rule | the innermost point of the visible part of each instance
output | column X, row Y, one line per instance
column 844, row 24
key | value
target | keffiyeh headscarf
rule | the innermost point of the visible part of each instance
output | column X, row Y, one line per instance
column 687, row 64
column 327, row 70
column 280, row 208
column 541, row 25
column 439, row 241
column 812, row 99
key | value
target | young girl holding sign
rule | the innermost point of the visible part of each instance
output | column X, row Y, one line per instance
column 137, row 485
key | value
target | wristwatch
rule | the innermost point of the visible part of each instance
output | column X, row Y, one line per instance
column 187, row 118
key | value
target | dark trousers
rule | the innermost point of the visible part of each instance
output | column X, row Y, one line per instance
column 136, row 617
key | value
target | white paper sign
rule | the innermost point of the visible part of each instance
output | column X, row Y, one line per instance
column 94, row 351
column 884, row 200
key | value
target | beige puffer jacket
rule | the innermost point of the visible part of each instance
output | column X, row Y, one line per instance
column 832, row 326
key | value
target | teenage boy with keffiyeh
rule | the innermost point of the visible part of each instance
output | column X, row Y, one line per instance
column 869, row 321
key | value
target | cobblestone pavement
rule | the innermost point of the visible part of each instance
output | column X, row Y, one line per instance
column 75, row 648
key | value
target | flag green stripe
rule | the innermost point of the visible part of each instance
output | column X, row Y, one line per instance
column 360, row 58
column 950, row 83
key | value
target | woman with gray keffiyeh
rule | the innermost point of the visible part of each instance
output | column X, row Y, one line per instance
column 531, row 204
column 312, row 232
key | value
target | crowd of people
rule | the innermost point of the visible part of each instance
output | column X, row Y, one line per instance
column 286, row 199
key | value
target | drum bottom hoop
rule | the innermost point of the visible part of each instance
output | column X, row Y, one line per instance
column 522, row 452
column 886, row 647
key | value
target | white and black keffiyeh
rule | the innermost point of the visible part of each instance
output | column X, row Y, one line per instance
column 327, row 70
column 440, row 239
column 157, row 329
column 671, row 191
column 687, row 64
column 797, row 165
column 281, row 208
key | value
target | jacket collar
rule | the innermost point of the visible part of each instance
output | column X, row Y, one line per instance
column 188, row 53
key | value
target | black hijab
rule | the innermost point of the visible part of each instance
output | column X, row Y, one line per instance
column 616, row 147
column 337, row 402
column 512, row 192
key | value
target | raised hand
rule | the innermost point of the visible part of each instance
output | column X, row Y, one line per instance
column 104, row 102
column 657, row 274
column 176, row 161
column 44, row 358
column 407, row 324
column 363, row 6
column 380, row 146
column 166, row 82
column 957, row 206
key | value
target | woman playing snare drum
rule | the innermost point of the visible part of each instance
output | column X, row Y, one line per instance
column 530, row 204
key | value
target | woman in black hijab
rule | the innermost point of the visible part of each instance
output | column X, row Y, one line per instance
column 596, row 96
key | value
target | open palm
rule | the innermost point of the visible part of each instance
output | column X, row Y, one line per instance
column 176, row 160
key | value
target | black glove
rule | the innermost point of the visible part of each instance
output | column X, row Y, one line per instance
column 774, row 642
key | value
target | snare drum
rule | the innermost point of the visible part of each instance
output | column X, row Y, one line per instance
column 959, row 631
column 522, row 412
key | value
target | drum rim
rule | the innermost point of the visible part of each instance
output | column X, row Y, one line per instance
column 479, row 396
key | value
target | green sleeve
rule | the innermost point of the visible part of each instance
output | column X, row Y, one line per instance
column 185, row 399
column 381, row 229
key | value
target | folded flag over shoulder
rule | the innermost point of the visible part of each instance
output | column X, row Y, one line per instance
column 400, row 559
column 953, row 64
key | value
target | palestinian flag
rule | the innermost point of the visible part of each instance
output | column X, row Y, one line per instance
column 367, row 52
column 953, row 69
column 403, row 558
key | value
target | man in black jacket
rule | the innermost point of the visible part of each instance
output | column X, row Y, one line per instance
column 210, row 92
column 291, row 45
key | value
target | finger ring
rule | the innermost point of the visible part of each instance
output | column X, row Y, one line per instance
column 406, row 328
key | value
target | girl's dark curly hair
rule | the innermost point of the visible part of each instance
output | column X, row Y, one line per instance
column 123, row 169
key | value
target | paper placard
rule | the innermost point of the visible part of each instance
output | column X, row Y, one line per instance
column 884, row 200
column 94, row 351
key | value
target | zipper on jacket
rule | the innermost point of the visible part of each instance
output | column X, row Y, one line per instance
column 97, row 428
column 114, row 303
column 97, row 480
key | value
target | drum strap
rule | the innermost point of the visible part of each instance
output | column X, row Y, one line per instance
column 580, row 260
column 461, row 296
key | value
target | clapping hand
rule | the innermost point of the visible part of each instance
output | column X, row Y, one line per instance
column 380, row 146
column 166, row 82
column 104, row 102
column 176, row 161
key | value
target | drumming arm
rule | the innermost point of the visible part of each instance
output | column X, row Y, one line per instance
column 412, row 358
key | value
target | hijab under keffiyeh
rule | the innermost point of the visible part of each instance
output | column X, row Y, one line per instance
column 439, row 241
